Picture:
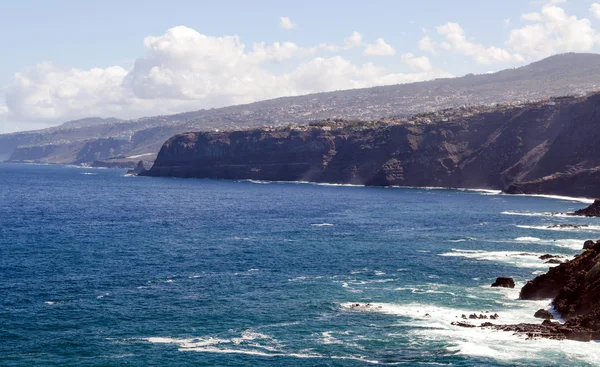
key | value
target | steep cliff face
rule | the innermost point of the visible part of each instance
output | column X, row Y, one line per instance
column 516, row 147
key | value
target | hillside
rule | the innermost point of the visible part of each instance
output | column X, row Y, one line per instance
column 497, row 148
column 567, row 74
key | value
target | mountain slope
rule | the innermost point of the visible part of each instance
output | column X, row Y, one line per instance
column 558, row 75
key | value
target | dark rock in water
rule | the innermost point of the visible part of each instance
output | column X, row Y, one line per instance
column 543, row 314
column 548, row 257
column 588, row 244
column 591, row 211
column 567, row 226
column 462, row 324
column 553, row 261
column 504, row 282
column 139, row 169
column 549, row 330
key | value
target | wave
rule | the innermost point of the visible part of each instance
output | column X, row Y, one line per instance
column 528, row 239
column 559, row 197
column 541, row 214
column 586, row 228
column 462, row 239
column 519, row 259
column 322, row 225
column 247, row 345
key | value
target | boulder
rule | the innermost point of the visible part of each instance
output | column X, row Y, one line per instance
column 504, row 282
column 544, row 314
column 588, row 244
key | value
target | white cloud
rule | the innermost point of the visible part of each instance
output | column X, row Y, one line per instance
column 457, row 41
column 379, row 48
column 554, row 32
column 184, row 70
column 353, row 41
column 531, row 17
column 427, row 44
column 286, row 23
column 595, row 10
column 417, row 63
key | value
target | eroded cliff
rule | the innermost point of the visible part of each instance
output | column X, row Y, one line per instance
column 519, row 148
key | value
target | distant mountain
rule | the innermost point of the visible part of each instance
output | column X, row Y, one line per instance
column 116, row 140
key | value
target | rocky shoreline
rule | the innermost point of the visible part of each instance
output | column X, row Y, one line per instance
column 574, row 287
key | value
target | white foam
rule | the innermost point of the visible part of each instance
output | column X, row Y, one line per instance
column 540, row 214
column 49, row 302
column 528, row 239
column 570, row 243
column 519, row 259
column 588, row 228
column 322, row 225
column 559, row 197
column 245, row 345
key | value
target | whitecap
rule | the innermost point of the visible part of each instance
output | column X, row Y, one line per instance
column 585, row 228
column 537, row 214
column 519, row 259
column 528, row 239
column 322, row 225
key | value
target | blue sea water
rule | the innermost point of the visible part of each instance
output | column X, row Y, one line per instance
column 101, row 269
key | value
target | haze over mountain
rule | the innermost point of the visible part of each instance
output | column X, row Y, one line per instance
column 118, row 142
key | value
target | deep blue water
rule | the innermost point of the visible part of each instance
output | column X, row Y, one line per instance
column 101, row 269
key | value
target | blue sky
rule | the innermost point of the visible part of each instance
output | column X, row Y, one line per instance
column 70, row 59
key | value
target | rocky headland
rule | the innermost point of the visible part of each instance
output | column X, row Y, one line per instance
column 574, row 287
column 539, row 148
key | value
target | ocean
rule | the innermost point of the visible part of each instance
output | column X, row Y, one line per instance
column 101, row 269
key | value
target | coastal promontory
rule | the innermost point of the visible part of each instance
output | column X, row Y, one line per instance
column 545, row 147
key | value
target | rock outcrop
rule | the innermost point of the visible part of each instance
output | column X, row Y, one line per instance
column 138, row 170
column 504, row 282
column 543, row 314
column 540, row 148
column 591, row 211
column 575, row 289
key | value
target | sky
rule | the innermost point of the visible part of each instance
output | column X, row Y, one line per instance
column 65, row 59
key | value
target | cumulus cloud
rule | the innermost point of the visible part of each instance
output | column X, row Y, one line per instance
column 379, row 48
column 427, row 44
column 595, row 10
column 531, row 17
column 417, row 63
column 184, row 70
column 554, row 31
column 286, row 23
column 456, row 40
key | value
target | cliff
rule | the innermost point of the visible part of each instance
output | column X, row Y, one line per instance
column 535, row 148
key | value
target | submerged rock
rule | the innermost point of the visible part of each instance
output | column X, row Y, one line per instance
column 567, row 226
column 504, row 282
column 548, row 257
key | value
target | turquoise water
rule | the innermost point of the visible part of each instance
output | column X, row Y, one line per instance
column 101, row 269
